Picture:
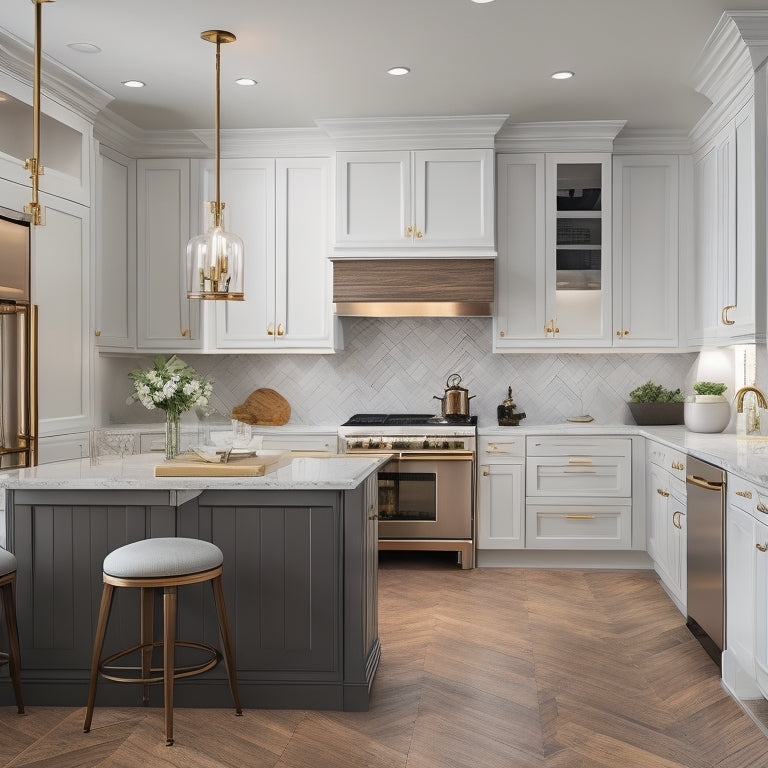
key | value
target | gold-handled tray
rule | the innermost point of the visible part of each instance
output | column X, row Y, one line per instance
column 192, row 465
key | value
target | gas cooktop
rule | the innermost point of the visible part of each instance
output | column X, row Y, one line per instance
column 406, row 420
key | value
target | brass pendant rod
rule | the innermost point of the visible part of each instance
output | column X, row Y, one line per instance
column 217, row 214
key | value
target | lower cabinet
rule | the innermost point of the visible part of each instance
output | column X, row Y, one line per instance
column 501, row 493
column 581, row 524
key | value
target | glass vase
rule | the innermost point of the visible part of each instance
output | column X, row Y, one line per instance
column 172, row 433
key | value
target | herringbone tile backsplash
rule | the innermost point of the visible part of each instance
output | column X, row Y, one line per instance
column 397, row 365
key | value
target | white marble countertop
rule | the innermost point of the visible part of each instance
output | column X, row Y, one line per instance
column 137, row 472
column 746, row 457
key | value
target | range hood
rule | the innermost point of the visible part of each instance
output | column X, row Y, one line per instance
column 432, row 287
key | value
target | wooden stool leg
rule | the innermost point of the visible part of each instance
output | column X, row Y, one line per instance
column 169, row 640
column 14, row 654
column 147, row 636
column 226, row 641
column 98, row 643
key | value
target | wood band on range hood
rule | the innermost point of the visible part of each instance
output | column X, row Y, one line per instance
column 413, row 287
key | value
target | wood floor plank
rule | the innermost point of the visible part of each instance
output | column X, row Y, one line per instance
column 483, row 668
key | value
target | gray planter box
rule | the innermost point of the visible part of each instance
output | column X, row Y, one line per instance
column 654, row 414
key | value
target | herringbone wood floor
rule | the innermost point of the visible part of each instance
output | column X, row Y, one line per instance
column 490, row 668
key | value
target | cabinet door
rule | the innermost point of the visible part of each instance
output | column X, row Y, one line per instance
column 645, row 248
column 303, row 307
column 373, row 198
column 114, row 321
column 248, row 189
column 501, row 504
column 520, row 303
column 166, row 318
column 578, row 248
column 453, row 197
column 658, row 494
column 677, row 546
column 61, row 289
column 741, row 558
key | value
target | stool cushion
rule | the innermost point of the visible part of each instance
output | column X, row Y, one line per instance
column 162, row 557
column 7, row 562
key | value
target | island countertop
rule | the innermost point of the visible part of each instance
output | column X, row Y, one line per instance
column 137, row 472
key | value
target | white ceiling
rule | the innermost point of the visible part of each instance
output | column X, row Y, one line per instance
column 313, row 59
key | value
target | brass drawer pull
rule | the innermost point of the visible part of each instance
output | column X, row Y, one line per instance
column 762, row 508
column 580, row 517
column 762, row 547
column 676, row 520
column 678, row 465
column 745, row 494
column 662, row 492
column 724, row 315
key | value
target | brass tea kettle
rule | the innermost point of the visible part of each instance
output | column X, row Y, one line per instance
column 455, row 401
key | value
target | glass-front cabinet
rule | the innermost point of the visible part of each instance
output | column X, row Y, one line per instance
column 554, row 262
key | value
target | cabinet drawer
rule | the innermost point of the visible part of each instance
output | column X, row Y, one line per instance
column 579, row 476
column 748, row 497
column 502, row 446
column 669, row 459
column 596, row 525
column 579, row 445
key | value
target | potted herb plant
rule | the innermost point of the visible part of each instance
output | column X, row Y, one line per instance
column 708, row 410
column 652, row 404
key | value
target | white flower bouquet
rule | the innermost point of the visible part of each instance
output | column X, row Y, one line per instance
column 171, row 385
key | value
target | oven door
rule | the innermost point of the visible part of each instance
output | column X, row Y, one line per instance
column 427, row 496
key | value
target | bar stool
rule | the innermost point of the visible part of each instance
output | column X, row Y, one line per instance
column 13, row 657
column 167, row 563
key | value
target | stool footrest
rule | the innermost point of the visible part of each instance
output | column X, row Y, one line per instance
column 107, row 671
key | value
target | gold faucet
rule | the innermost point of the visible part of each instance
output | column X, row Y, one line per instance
column 759, row 395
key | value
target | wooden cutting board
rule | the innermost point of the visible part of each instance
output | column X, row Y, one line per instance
column 263, row 406
column 250, row 466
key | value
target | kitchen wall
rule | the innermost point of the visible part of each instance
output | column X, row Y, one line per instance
column 397, row 365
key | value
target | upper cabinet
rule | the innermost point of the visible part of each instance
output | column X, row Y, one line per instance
column 66, row 139
column 554, row 262
column 280, row 208
column 167, row 320
column 645, row 249
column 428, row 199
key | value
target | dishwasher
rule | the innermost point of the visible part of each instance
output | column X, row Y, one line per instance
column 706, row 555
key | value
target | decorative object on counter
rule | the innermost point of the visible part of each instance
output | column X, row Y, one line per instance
column 265, row 407
column 174, row 387
column 230, row 463
column 652, row 405
column 505, row 413
column 454, row 404
column 109, row 443
column 708, row 410
column 215, row 258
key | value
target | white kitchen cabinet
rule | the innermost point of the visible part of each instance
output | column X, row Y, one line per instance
column 61, row 289
column 63, row 447
column 114, row 320
column 645, row 251
column 423, row 199
column 554, row 264
column 761, row 604
column 66, row 141
column 167, row 320
column 666, row 537
column 726, row 285
column 501, row 493
column 280, row 210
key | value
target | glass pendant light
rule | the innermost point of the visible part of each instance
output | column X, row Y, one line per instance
column 215, row 258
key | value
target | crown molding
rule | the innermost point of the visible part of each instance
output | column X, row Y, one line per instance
column 564, row 136
column 57, row 82
column 470, row 131
column 273, row 142
column 652, row 141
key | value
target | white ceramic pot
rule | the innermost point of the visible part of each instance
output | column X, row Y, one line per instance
column 707, row 413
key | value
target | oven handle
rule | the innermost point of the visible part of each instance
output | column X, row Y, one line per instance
column 452, row 456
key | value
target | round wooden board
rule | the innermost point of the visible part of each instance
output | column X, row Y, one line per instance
column 263, row 406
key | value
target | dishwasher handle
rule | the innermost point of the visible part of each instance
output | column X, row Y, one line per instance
column 702, row 483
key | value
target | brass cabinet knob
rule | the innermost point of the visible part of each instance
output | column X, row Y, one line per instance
column 762, row 547
column 186, row 332
column 626, row 332
column 409, row 231
column 280, row 329
column 97, row 333
column 501, row 333
column 270, row 330
column 486, row 473
column 618, row 333
column 419, row 234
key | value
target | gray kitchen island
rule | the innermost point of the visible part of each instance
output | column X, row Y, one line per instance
column 300, row 577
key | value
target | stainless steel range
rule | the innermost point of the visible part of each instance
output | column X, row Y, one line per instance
column 427, row 488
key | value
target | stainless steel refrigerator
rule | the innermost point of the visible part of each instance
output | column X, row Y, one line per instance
column 18, row 346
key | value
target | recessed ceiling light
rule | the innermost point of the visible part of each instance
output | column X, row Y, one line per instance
column 482, row 1
column 245, row 81
column 84, row 47
column 398, row 70
column 133, row 84
column 562, row 75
